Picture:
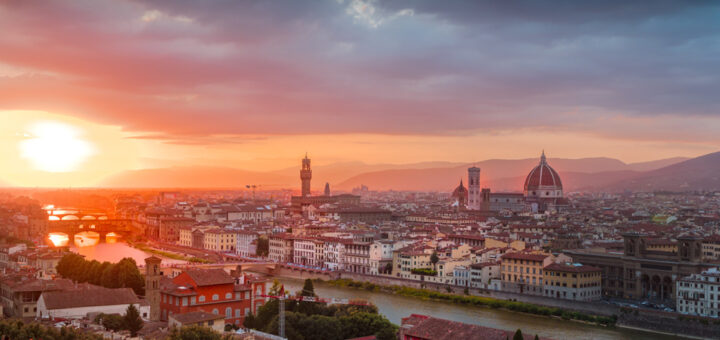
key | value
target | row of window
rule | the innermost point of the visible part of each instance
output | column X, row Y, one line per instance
column 215, row 297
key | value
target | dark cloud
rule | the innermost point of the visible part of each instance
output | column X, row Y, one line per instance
column 393, row 67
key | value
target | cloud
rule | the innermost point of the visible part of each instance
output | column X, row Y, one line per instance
column 228, row 68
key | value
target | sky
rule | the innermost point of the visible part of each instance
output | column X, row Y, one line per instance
column 118, row 85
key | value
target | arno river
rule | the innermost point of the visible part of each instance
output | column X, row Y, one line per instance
column 396, row 307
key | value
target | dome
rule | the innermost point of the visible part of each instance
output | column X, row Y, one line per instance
column 543, row 181
column 460, row 191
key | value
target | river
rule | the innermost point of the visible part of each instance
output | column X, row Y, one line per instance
column 396, row 307
column 112, row 249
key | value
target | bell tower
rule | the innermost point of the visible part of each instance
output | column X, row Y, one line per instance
column 152, row 286
column 474, row 193
column 305, row 176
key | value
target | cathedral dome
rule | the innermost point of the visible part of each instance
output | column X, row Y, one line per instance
column 460, row 191
column 543, row 181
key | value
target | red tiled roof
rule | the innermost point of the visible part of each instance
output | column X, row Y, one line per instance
column 525, row 256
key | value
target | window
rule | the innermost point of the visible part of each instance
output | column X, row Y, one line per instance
column 202, row 298
column 215, row 311
column 238, row 296
column 215, row 297
column 237, row 313
column 228, row 296
column 184, row 301
column 192, row 300
column 228, row 313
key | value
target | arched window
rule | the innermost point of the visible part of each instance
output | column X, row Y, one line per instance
column 237, row 313
column 215, row 297
column 228, row 313
column 215, row 311
column 228, row 295
column 202, row 298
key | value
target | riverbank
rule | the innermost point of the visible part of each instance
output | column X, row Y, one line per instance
column 479, row 301
column 175, row 256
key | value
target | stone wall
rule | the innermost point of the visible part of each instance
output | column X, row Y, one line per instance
column 670, row 323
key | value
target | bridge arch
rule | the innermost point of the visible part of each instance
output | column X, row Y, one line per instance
column 69, row 218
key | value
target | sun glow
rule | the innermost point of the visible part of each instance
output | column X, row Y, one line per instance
column 59, row 239
column 55, row 147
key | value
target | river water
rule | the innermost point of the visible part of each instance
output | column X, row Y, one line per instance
column 396, row 307
column 111, row 249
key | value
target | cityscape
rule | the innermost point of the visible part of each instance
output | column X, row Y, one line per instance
column 359, row 169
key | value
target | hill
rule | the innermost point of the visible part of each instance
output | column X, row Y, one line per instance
column 701, row 173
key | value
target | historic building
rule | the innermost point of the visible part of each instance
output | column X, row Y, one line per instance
column 298, row 203
column 699, row 294
column 212, row 291
column 572, row 281
column 639, row 273
column 460, row 196
column 542, row 191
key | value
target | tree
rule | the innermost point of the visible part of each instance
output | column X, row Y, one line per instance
column 111, row 322
column 388, row 268
column 194, row 332
column 308, row 288
column 132, row 320
column 518, row 335
column 434, row 259
column 275, row 289
column 249, row 321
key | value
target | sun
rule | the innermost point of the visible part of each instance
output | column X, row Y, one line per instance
column 55, row 147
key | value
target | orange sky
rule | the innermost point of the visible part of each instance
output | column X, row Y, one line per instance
column 114, row 150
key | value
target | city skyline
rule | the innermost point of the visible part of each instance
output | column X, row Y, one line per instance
column 143, row 84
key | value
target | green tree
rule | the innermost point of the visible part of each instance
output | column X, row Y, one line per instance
column 275, row 289
column 194, row 332
column 518, row 335
column 132, row 321
column 308, row 288
column 112, row 322
column 434, row 259
column 249, row 321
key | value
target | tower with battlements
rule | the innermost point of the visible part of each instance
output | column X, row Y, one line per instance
column 305, row 176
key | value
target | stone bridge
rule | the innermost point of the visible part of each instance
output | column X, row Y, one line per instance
column 102, row 227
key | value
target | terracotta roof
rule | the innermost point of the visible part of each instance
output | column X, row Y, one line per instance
column 210, row 277
column 571, row 268
column 96, row 296
column 196, row 317
column 425, row 327
column 525, row 256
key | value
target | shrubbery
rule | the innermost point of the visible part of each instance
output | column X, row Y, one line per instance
column 18, row 330
column 423, row 271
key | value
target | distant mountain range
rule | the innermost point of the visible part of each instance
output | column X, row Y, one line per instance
column 586, row 174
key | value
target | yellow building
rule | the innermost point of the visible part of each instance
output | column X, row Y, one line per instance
column 572, row 281
column 523, row 272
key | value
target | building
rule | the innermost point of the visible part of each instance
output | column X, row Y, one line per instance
column 572, row 281
column 334, row 254
column 638, row 273
column 78, row 303
column 169, row 227
column 308, row 252
column 357, row 257
column 523, row 272
column 423, row 327
column 460, row 196
column 481, row 273
column 214, row 321
column 299, row 203
column 542, row 191
column 213, row 291
column 474, row 198
column 246, row 243
column 381, row 256
column 220, row 240
column 153, row 275
column 19, row 294
column 281, row 248
column 699, row 294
